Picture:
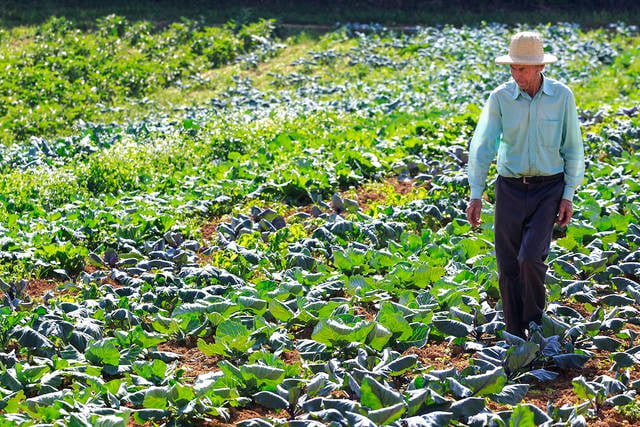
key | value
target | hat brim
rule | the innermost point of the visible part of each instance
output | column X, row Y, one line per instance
column 508, row 59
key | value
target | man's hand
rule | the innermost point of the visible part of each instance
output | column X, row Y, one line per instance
column 565, row 212
column 473, row 212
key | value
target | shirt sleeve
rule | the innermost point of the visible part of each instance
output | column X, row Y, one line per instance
column 484, row 146
column 572, row 150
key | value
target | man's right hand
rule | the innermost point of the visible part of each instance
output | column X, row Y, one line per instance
column 473, row 212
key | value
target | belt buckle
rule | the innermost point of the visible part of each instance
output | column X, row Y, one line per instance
column 524, row 180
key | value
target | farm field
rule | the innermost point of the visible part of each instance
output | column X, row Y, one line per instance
column 216, row 226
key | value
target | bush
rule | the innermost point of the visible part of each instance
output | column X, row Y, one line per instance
column 61, row 74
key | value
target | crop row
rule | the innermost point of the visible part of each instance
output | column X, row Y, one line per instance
column 311, row 302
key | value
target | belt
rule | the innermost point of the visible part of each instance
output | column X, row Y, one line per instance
column 534, row 179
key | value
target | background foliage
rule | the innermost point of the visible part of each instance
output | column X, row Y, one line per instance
column 290, row 212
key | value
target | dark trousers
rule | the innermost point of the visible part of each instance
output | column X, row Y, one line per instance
column 524, row 218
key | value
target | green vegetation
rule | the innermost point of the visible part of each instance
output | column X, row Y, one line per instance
column 292, row 211
column 58, row 75
column 324, row 14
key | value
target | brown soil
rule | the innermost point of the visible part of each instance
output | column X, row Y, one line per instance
column 193, row 361
column 257, row 412
column 241, row 414
column 610, row 417
column 306, row 209
column 236, row 415
column 558, row 392
column 37, row 288
column 291, row 357
column 360, row 311
column 106, row 281
column 401, row 187
column 366, row 197
column 441, row 356
column 209, row 229
column 580, row 308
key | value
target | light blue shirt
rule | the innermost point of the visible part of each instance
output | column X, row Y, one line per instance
column 531, row 136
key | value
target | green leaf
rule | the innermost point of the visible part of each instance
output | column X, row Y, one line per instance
column 570, row 361
column 522, row 416
column 467, row 407
column 568, row 242
column 583, row 389
column 146, row 339
column 257, row 305
column 27, row 337
column 233, row 335
column 431, row 419
column 348, row 260
column 551, row 326
column 191, row 308
column 393, row 319
column 376, row 396
column 332, row 332
column 521, row 355
column 490, row 382
column 103, row 352
column 143, row 415
column 616, row 300
column 511, row 394
column 416, row 399
column 261, row 372
column 539, row 375
column 419, row 334
column 30, row 374
column 212, row 349
column 620, row 400
column 109, row 421
column 270, row 400
column 156, row 398
column 316, row 384
column 402, row 365
column 457, row 389
column 451, row 327
column 623, row 283
column 11, row 403
column 149, row 370
column 113, row 386
column 539, row 417
column 228, row 369
column 350, row 418
column 44, row 400
column 379, row 337
column 606, row 343
column 165, row 325
column 623, row 360
column 387, row 415
column 280, row 311
column 423, row 275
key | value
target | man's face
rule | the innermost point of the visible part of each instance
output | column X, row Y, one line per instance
column 526, row 75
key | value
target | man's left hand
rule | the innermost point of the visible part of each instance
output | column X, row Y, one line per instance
column 565, row 212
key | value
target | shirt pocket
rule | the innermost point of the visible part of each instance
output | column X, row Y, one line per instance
column 550, row 132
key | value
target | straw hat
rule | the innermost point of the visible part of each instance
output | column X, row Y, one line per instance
column 526, row 49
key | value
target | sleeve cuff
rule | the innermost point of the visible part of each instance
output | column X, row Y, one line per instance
column 476, row 193
column 568, row 193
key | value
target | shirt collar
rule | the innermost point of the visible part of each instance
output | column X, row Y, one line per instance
column 546, row 88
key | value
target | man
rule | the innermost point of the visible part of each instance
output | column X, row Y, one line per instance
column 531, row 123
